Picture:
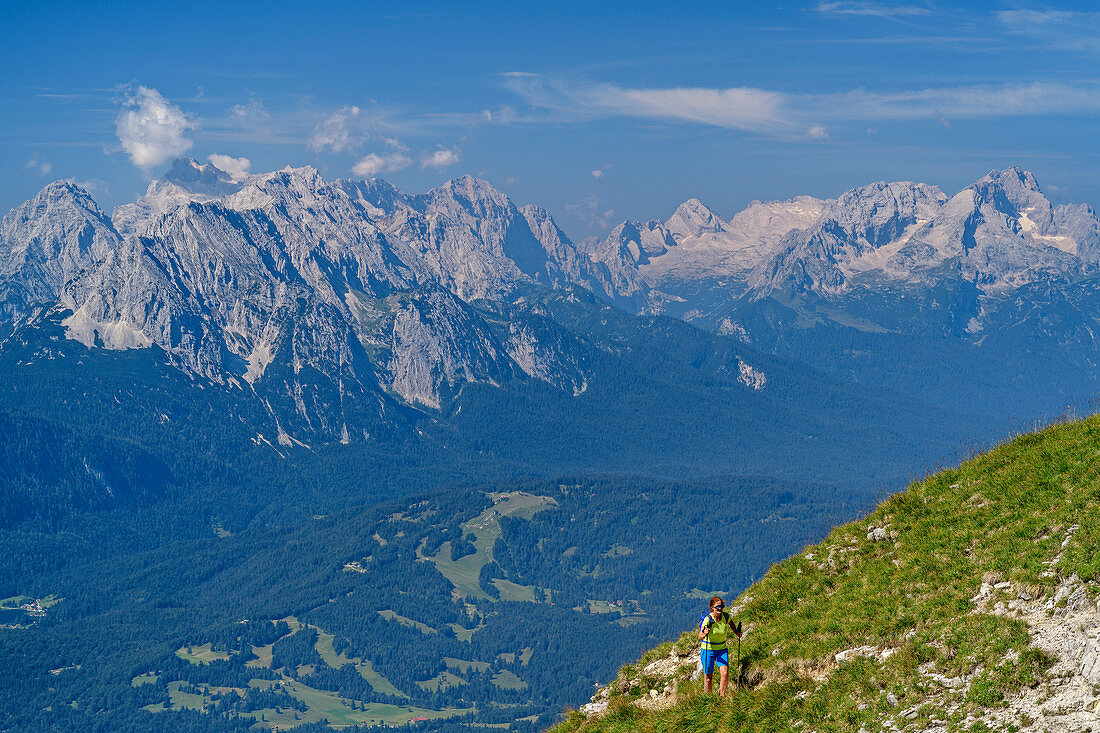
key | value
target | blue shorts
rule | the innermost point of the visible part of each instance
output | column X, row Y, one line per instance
column 714, row 658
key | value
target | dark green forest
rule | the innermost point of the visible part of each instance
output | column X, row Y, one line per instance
column 638, row 547
column 394, row 579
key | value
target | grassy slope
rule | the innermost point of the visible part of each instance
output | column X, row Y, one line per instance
column 996, row 517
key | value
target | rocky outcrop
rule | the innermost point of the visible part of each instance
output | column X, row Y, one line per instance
column 653, row 687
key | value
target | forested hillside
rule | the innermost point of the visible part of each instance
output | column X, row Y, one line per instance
column 472, row 606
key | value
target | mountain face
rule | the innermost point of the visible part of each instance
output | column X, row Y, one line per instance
column 279, row 283
column 45, row 243
column 354, row 282
column 889, row 283
column 998, row 234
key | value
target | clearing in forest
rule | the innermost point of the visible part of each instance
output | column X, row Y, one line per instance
column 465, row 572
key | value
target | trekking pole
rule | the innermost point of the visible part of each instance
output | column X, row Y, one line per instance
column 737, row 630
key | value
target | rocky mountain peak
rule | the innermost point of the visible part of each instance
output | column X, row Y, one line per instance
column 45, row 242
column 693, row 219
column 379, row 196
column 186, row 181
column 642, row 240
column 879, row 212
column 466, row 193
column 1015, row 194
column 193, row 177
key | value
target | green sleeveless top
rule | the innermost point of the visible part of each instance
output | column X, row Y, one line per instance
column 720, row 631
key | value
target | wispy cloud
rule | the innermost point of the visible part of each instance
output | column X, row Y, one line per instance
column 740, row 108
column 38, row 165
column 374, row 164
column 789, row 116
column 92, row 185
column 251, row 112
column 441, row 158
column 591, row 212
column 974, row 101
column 880, row 10
column 1065, row 30
column 350, row 127
column 339, row 131
column 151, row 129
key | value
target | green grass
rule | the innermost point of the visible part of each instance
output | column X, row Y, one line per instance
column 510, row 591
column 464, row 634
column 380, row 684
column 442, row 681
column 603, row 607
column 508, row 680
column 338, row 710
column 263, row 656
column 465, row 572
column 328, row 653
column 203, row 654
column 465, row 665
column 324, row 647
column 997, row 517
column 180, row 700
column 390, row 615
column 144, row 679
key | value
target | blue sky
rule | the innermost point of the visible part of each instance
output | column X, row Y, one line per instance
column 597, row 111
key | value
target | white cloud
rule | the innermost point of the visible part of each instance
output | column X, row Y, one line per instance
column 253, row 111
column 601, row 171
column 151, row 129
column 41, row 167
column 92, row 185
column 440, row 158
column 393, row 143
column 372, row 164
column 339, row 131
column 795, row 117
column 817, row 132
column 740, row 108
column 879, row 10
column 236, row 167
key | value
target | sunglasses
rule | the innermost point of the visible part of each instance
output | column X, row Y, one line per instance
column 718, row 607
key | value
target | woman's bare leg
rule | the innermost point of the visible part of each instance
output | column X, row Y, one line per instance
column 706, row 682
column 724, row 678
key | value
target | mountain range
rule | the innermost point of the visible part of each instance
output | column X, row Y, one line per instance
column 889, row 284
column 375, row 291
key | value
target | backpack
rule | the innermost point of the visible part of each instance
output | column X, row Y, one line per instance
column 736, row 629
column 704, row 615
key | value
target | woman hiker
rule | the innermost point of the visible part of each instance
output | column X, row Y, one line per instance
column 716, row 628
